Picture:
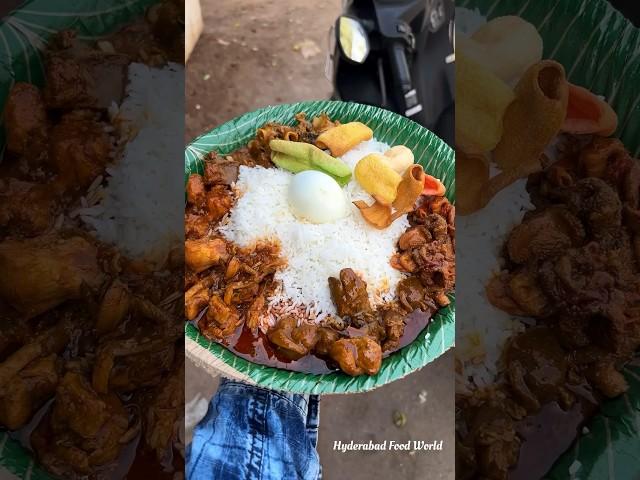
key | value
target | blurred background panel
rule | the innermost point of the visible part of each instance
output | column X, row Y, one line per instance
column 249, row 56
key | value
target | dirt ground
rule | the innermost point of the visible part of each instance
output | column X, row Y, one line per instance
column 250, row 56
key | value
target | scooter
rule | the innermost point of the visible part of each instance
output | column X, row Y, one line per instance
column 398, row 55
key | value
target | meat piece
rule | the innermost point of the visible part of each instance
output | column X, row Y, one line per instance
column 254, row 312
column 221, row 319
column 241, row 292
column 28, row 208
column 40, row 273
column 594, row 201
column 144, row 369
column 87, row 428
column 85, row 79
column 412, row 295
column 578, row 283
column 413, row 238
column 349, row 293
column 536, row 367
column 25, row 118
column 394, row 322
column 494, row 440
column 326, row 338
column 196, row 193
column 113, row 308
column 30, row 389
column 199, row 255
column 404, row 262
column 499, row 295
column 544, row 235
column 607, row 379
column 526, row 292
column 292, row 339
column 220, row 172
column 165, row 414
column 196, row 298
column 218, row 202
column 195, row 226
column 357, row 356
column 80, row 148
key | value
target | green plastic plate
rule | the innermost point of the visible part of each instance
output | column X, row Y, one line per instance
column 437, row 159
column 600, row 49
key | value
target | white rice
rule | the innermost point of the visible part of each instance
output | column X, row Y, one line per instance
column 314, row 252
column 138, row 210
column 482, row 328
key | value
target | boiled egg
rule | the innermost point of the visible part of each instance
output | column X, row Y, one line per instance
column 317, row 198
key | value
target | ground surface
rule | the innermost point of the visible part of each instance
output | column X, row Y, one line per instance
column 246, row 59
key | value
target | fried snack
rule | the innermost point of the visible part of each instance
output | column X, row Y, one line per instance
column 377, row 178
column 588, row 114
column 472, row 178
column 399, row 158
column 377, row 214
column 409, row 189
column 433, row 186
column 507, row 46
column 482, row 99
column 535, row 117
column 343, row 138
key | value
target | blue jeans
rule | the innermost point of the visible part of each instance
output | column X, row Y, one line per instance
column 251, row 433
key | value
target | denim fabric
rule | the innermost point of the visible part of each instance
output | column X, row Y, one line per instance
column 251, row 433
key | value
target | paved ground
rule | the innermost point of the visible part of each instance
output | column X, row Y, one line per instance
column 251, row 55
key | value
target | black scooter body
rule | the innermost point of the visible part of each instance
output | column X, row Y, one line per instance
column 380, row 81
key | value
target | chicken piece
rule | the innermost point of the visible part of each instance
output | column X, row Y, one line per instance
column 218, row 202
column 545, row 234
column 414, row 237
column 113, row 308
column 82, row 78
column 28, row 208
column 25, row 118
column 220, row 172
column 165, row 414
column 536, row 368
column 241, row 292
column 221, row 319
column 404, row 262
column 526, row 292
column 254, row 312
column 40, row 273
column 326, row 338
column 293, row 340
column 607, row 379
column 197, row 298
column 30, row 389
column 394, row 322
column 199, row 255
column 349, row 293
column 131, row 361
column 195, row 226
column 196, row 193
column 80, row 149
column 412, row 295
column 143, row 369
column 87, row 428
column 357, row 356
column 498, row 294
column 50, row 341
